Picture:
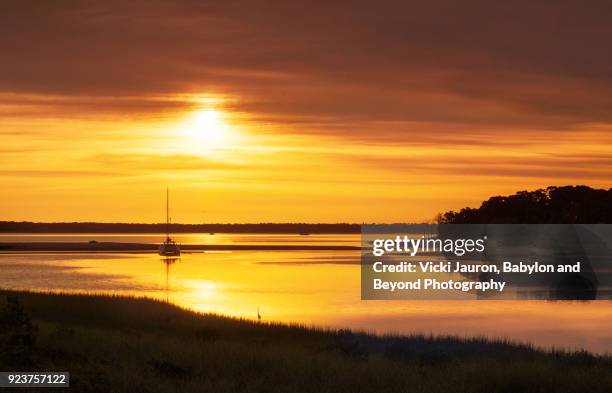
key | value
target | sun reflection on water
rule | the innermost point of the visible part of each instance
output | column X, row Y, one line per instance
column 314, row 288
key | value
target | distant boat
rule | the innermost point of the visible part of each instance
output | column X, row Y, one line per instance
column 169, row 248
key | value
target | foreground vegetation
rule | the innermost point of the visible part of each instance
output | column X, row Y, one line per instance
column 112, row 344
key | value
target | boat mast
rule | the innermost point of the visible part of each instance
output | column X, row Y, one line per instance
column 167, row 214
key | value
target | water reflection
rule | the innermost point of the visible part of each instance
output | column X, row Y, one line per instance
column 167, row 261
column 314, row 288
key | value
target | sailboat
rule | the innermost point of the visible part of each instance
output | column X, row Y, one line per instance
column 169, row 247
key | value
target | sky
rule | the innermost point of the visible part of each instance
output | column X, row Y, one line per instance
column 275, row 111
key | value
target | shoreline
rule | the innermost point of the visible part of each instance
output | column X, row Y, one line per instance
column 153, row 248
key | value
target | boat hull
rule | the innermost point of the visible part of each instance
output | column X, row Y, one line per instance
column 169, row 249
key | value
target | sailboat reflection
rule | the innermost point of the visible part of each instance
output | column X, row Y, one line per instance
column 168, row 261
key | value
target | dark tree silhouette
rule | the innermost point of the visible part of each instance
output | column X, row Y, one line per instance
column 553, row 205
column 98, row 227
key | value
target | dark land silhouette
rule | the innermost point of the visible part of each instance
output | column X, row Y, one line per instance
column 118, row 344
column 551, row 205
column 98, row 227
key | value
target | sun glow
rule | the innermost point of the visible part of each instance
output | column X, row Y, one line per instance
column 207, row 130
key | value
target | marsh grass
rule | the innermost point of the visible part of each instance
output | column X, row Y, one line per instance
column 118, row 344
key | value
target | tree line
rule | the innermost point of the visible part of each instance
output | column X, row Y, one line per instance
column 98, row 227
column 551, row 205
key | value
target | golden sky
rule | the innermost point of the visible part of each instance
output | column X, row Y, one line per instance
column 257, row 111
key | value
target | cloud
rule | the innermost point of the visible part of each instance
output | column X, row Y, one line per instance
column 147, row 163
column 22, row 173
column 320, row 67
column 548, row 167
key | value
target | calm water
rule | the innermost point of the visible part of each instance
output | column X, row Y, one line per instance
column 314, row 287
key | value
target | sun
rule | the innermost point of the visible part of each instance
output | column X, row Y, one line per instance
column 207, row 129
